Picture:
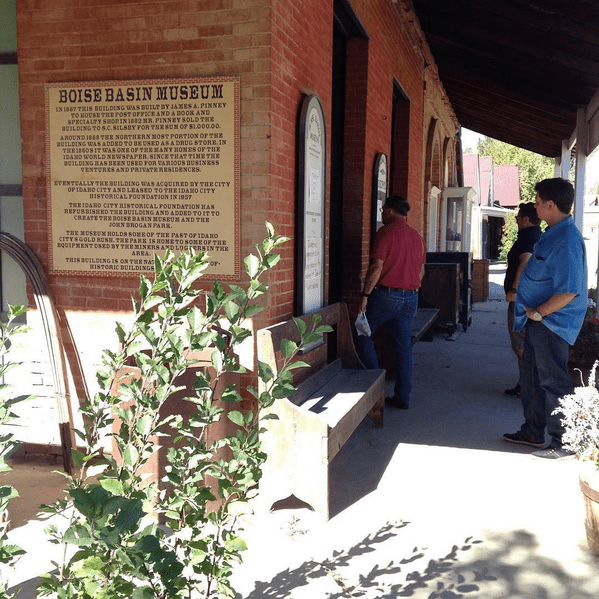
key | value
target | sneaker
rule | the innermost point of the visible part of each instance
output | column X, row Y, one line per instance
column 554, row 453
column 521, row 439
column 400, row 405
column 515, row 392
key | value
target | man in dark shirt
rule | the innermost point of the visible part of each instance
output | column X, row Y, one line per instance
column 529, row 233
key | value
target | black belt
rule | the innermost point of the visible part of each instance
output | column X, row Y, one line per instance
column 385, row 288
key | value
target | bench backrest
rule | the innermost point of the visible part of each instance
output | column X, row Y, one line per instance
column 335, row 315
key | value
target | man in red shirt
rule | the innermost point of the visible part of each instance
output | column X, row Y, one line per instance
column 390, row 294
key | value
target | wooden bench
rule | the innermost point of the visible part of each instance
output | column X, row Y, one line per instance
column 422, row 327
column 314, row 424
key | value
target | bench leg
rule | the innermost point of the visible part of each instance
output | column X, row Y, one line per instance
column 314, row 489
column 377, row 412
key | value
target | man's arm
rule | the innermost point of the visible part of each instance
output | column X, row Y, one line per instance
column 373, row 274
column 553, row 304
column 510, row 296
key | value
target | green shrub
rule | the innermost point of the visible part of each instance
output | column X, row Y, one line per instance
column 8, row 552
column 117, row 549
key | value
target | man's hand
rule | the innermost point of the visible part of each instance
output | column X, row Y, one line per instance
column 529, row 312
column 363, row 304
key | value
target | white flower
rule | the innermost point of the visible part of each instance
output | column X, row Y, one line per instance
column 581, row 418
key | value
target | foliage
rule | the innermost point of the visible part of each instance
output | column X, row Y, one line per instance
column 118, row 550
column 509, row 233
column 532, row 167
column 8, row 552
column 581, row 419
column 586, row 348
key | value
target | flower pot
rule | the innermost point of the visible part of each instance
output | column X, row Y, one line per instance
column 589, row 485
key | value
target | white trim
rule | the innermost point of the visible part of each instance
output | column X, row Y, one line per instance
column 581, row 161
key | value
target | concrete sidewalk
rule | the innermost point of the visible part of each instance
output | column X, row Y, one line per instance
column 435, row 505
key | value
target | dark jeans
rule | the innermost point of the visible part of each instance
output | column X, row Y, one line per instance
column 544, row 379
column 394, row 309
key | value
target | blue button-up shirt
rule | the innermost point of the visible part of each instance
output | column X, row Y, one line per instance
column 558, row 265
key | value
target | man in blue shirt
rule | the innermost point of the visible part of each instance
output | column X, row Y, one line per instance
column 551, row 302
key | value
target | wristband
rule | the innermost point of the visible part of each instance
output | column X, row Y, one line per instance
column 514, row 290
column 364, row 294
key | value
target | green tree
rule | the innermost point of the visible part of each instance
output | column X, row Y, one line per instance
column 509, row 232
column 532, row 167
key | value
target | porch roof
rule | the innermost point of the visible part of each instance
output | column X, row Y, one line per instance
column 515, row 70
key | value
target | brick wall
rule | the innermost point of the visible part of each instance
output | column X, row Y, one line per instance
column 70, row 40
column 280, row 51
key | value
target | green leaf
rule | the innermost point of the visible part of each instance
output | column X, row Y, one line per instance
column 78, row 457
column 130, row 455
column 143, row 425
column 232, row 311
column 288, row 348
column 252, row 310
column 90, row 567
column 271, row 260
column 265, row 372
column 236, row 544
column 143, row 593
column 112, row 485
column 236, row 416
column 300, row 324
column 252, row 265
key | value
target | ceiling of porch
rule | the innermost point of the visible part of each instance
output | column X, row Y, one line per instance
column 515, row 70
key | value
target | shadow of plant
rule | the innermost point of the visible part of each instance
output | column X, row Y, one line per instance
column 503, row 565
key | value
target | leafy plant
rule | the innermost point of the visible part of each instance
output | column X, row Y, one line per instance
column 581, row 419
column 509, row 233
column 120, row 550
column 586, row 347
column 8, row 552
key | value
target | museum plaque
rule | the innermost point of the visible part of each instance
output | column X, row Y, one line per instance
column 310, row 275
column 136, row 167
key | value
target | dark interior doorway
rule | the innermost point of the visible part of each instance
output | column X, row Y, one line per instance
column 345, row 27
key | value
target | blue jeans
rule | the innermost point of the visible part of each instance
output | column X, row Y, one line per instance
column 544, row 379
column 394, row 309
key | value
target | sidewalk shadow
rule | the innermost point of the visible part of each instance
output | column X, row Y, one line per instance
column 359, row 466
column 501, row 566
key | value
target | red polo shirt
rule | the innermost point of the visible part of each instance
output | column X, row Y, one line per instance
column 403, row 253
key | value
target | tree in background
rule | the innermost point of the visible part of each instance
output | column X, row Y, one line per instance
column 532, row 167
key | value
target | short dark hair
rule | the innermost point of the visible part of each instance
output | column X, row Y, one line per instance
column 559, row 191
column 528, row 209
column 398, row 204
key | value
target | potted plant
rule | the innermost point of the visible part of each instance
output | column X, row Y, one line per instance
column 581, row 423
